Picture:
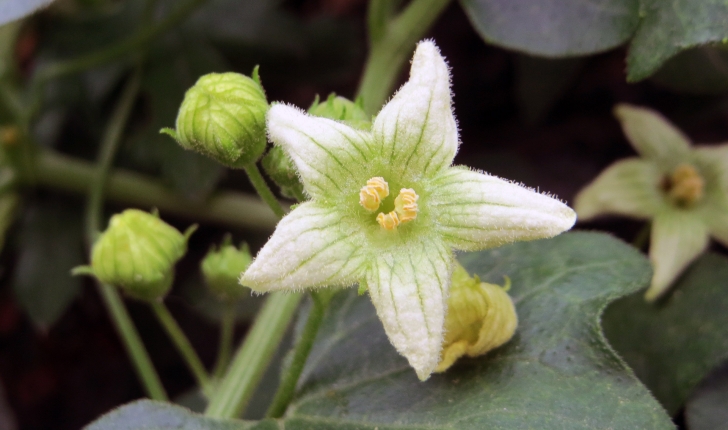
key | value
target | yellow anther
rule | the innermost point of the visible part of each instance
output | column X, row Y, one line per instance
column 685, row 185
column 371, row 195
column 388, row 221
column 406, row 204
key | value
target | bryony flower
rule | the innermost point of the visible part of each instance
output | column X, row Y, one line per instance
column 683, row 190
column 387, row 210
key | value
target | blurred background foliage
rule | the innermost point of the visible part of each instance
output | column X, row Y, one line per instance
column 533, row 103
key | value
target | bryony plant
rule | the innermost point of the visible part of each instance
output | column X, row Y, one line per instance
column 387, row 209
column 682, row 189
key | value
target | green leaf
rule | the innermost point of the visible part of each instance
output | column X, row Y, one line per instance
column 153, row 415
column 554, row 28
column 50, row 246
column 178, row 65
column 706, row 409
column 668, row 27
column 556, row 373
column 701, row 70
column 541, row 83
column 674, row 343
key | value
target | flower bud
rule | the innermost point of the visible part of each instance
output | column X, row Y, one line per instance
column 137, row 253
column 223, row 117
column 222, row 267
column 342, row 109
column 283, row 172
column 480, row 317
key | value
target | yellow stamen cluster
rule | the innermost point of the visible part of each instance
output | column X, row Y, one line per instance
column 405, row 205
column 388, row 221
column 371, row 195
column 685, row 185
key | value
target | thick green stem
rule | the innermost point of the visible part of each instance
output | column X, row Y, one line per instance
column 391, row 44
column 253, row 357
column 263, row 190
column 127, row 46
column 132, row 343
column 235, row 209
column 301, row 350
column 182, row 344
column 227, row 331
column 114, row 304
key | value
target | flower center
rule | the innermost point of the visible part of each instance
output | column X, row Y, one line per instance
column 684, row 186
column 405, row 205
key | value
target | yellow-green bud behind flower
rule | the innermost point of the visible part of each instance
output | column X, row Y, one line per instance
column 342, row 109
column 222, row 267
column 137, row 253
column 223, row 117
column 283, row 172
column 480, row 318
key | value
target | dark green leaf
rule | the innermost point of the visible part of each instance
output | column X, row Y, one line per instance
column 542, row 82
column 557, row 373
column 701, row 70
column 50, row 246
column 179, row 62
column 152, row 415
column 668, row 27
column 706, row 409
column 554, row 28
column 672, row 345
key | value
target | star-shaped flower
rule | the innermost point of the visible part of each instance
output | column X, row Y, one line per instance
column 387, row 210
column 684, row 191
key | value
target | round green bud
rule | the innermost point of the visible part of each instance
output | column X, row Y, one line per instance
column 282, row 171
column 222, row 267
column 342, row 109
column 223, row 117
column 137, row 253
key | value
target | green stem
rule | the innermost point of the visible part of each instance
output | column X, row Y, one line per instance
column 253, row 357
column 391, row 44
column 61, row 172
column 301, row 350
column 182, row 343
column 132, row 343
column 110, row 53
column 263, row 190
column 227, row 330
column 114, row 304
column 107, row 151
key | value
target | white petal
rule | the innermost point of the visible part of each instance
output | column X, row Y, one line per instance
column 416, row 130
column 477, row 211
column 677, row 238
column 312, row 246
column 330, row 156
column 409, row 290
column 653, row 136
column 628, row 187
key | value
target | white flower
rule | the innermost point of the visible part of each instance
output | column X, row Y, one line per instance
column 387, row 209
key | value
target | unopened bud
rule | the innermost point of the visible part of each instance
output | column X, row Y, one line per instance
column 223, row 117
column 137, row 253
column 222, row 267
column 342, row 109
column 480, row 318
column 282, row 171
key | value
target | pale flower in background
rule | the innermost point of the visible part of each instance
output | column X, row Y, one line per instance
column 682, row 189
